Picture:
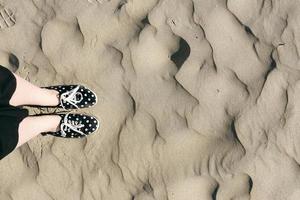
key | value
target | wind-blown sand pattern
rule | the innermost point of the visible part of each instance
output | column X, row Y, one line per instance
column 198, row 99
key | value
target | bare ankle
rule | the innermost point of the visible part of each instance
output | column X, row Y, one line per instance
column 54, row 96
column 56, row 123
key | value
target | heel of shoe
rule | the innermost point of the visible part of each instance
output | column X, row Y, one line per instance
column 44, row 133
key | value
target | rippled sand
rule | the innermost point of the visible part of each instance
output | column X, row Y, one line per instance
column 198, row 100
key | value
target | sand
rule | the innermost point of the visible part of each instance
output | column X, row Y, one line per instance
column 198, row 99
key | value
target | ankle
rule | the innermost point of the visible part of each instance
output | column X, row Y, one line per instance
column 54, row 96
column 55, row 119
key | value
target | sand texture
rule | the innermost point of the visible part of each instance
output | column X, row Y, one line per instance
column 198, row 99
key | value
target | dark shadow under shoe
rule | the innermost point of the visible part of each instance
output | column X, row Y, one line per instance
column 73, row 96
column 75, row 126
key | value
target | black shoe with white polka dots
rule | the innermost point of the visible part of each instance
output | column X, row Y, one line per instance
column 74, row 96
column 75, row 126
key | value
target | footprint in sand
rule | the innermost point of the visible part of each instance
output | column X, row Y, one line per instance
column 98, row 1
column 7, row 18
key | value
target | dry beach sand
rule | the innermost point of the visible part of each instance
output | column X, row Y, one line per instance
column 198, row 99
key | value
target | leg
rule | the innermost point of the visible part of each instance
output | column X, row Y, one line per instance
column 29, row 94
column 32, row 126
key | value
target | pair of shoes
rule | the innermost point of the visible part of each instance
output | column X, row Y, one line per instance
column 74, row 125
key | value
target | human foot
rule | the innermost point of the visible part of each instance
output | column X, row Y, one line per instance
column 75, row 126
column 73, row 96
column 53, row 97
column 7, row 18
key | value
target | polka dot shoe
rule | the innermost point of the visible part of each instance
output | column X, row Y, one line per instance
column 74, row 96
column 75, row 126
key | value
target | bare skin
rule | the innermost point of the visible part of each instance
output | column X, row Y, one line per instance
column 29, row 94
column 28, row 128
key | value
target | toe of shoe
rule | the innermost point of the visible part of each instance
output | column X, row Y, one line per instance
column 91, row 124
column 89, row 97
